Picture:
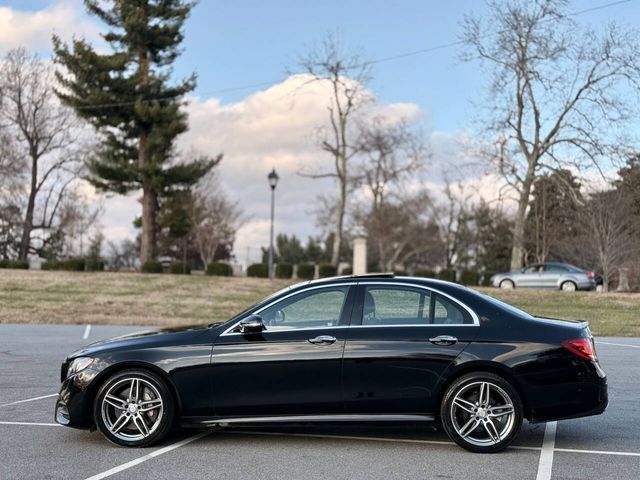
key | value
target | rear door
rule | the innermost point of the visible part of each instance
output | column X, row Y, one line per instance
column 402, row 340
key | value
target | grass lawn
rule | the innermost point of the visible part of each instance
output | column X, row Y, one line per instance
column 136, row 299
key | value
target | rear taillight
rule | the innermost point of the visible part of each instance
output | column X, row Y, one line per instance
column 590, row 274
column 583, row 347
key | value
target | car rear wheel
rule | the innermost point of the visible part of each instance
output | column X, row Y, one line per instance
column 508, row 284
column 134, row 408
column 568, row 287
column 481, row 412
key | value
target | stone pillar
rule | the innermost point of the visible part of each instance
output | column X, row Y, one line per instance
column 359, row 255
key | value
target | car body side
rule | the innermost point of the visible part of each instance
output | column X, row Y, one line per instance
column 522, row 279
column 552, row 382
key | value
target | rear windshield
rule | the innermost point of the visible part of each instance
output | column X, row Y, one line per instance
column 501, row 304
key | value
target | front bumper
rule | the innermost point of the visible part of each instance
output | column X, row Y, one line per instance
column 75, row 400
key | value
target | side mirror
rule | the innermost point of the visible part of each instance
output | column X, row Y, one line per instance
column 251, row 324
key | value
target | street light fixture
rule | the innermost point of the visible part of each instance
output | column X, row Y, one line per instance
column 273, row 181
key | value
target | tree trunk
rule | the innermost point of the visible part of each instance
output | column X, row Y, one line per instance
column 148, row 240
column 337, row 233
column 517, row 248
column 149, row 195
column 25, row 241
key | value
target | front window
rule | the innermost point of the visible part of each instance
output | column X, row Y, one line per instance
column 312, row 309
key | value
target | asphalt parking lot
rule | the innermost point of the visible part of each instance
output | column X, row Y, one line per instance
column 32, row 446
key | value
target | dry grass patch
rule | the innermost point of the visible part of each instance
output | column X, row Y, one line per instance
column 137, row 299
column 125, row 298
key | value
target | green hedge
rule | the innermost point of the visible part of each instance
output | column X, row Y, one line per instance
column 424, row 273
column 70, row 265
column 219, row 269
column 260, row 270
column 486, row 278
column 93, row 265
column 284, row 270
column 306, row 271
column 152, row 266
column 447, row 275
column 326, row 270
column 180, row 268
column 18, row 264
column 347, row 271
column 469, row 278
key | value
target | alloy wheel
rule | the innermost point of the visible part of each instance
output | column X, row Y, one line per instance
column 482, row 414
column 132, row 409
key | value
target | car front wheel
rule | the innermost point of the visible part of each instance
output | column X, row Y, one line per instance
column 481, row 412
column 507, row 284
column 134, row 408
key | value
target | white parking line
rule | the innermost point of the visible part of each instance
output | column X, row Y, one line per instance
column 28, row 400
column 149, row 456
column 545, row 465
column 87, row 331
column 616, row 344
column 598, row 452
column 36, row 424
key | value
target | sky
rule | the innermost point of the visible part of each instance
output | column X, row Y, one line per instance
column 249, row 103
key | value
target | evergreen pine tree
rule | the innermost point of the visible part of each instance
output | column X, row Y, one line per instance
column 128, row 97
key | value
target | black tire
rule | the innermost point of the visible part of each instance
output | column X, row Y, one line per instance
column 569, row 286
column 504, row 283
column 153, row 388
column 455, row 418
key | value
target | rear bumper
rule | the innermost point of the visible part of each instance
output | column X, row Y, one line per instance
column 581, row 400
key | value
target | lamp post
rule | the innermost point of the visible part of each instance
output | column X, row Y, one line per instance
column 273, row 181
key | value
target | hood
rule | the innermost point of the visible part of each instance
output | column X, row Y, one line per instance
column 142, row 339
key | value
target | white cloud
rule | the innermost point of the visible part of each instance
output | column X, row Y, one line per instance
column 33, row 29
column 275, row 128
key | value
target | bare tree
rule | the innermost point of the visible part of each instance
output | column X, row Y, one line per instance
column 214, row 220
column 123, row 256
column 344, row 75
column 391, row 155
column 44, row 138
column 451, row 216
column 558, row 93
column 402, row 230
column 608, row 235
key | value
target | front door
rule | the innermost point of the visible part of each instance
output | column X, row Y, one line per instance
column 293, row 367
column 402, row 341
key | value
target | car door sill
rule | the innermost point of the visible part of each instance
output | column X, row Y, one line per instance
column 221, row 421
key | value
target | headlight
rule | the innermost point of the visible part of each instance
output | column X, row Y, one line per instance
column 79, row 364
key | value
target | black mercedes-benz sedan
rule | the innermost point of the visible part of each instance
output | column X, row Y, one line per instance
column 355, row 349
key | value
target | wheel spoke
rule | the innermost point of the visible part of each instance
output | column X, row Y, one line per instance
column 484, row 394
column 500, row 411
column 469, row 427
column 149, row 405
column 464, row 405
column 122, row 420
column 490, row 427
column 133, row 389
column 141, row 425
column 114, row 401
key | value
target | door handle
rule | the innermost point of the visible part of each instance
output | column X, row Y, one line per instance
column 323, row 340
column 443, row 340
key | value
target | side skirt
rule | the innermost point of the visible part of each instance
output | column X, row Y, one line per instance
column 222, row 421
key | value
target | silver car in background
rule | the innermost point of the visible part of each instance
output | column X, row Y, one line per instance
column 560, row 276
